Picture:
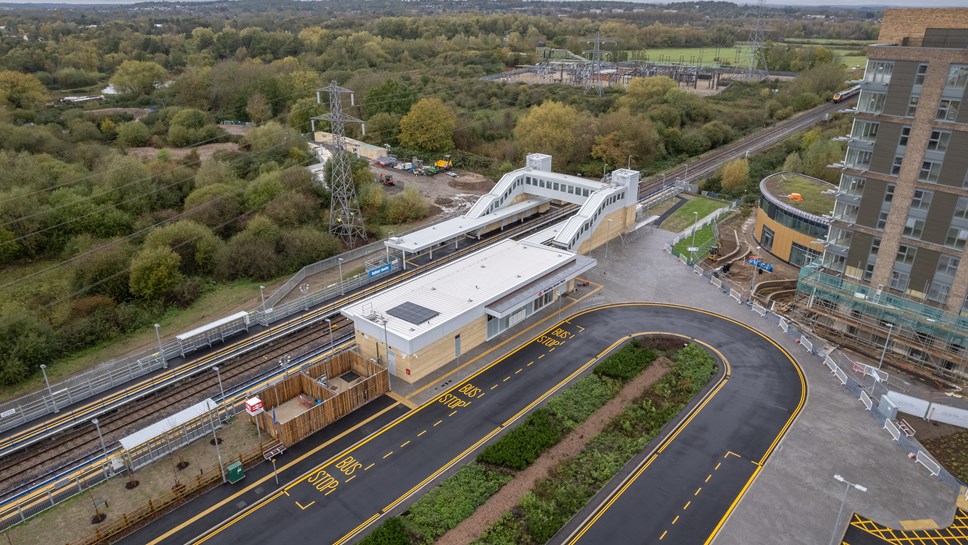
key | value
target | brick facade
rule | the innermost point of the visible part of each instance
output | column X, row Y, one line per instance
column 907, row 26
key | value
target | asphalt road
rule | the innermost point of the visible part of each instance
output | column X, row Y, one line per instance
column 740, row 424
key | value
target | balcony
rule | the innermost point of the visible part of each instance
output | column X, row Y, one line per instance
column 848, row 199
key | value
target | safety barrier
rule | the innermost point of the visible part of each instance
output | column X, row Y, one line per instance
column 838, row 363
column 892, row 429
column 698, row 270
column 926, row 461
column 736, row 295
column 866, row 400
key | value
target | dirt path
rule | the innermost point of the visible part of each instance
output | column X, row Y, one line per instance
column 512, row 493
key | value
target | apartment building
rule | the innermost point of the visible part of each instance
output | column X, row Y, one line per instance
column 895, row 260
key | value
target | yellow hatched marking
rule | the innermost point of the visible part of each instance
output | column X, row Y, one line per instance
column 304, row 507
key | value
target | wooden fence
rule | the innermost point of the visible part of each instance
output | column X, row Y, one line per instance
column 117, row 528
column 331, row 407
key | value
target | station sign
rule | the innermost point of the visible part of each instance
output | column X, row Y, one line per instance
column 253, row 406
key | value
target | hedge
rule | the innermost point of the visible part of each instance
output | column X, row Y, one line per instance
column 627, row 363
column 523, row 444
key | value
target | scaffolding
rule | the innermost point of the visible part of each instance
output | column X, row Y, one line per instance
column 906, row 333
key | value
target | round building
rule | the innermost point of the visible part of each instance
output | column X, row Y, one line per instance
column 790, row 222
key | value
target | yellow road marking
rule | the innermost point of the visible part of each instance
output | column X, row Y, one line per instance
column 731, row 453
column 405, row 444
column 506, row 378
column 437, row 423
column 663, row 535
column 551, row 350
column 675, row 520
column 304, row 507
column 541, row 356
column 530, row 363
column 686, row 506
column 369, row 466
column 402, row 400
column 387, row 455
column 493, row 387
column 717, row 466
column 421, row 433
column 698, row 490
column 453, row 412
column 519, row 370
column 351, row 478
column 710, row 476
column 255, row 484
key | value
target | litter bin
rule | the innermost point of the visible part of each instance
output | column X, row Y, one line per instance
column 235, row 473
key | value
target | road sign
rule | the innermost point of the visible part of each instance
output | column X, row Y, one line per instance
column 692, row 249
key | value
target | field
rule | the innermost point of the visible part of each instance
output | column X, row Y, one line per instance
column 684, row 216
column 734, row 56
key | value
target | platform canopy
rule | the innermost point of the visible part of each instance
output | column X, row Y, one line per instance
column 162, row 427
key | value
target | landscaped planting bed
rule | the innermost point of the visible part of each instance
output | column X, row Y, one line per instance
column 456, row 498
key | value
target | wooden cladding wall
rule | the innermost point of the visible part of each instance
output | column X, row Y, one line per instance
column 375, row 382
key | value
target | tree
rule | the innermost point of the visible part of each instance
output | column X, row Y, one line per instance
column 407, row 206
column 302, row 111
column 215, row 205
column 623, row 134
column 189, row 127
column 556, row 129
column 734, row 174
column 194, row 243
column 134, row 134
column 21, row 91
column 138, row 77
column 258, row 108
column 383, row 128
column 392, row 97
column 154, row 272
column 641, row 91
column 429, row 126
column 262, row 190
column 103, row 270
column 793, row 163
column 820, row 154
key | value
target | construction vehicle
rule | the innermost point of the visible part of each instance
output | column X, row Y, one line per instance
column 443, row 164
column 714, row 254
column 387, row 179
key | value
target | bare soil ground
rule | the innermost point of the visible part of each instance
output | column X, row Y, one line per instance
column 447, row 193
column 73, row 517
column 512, row 493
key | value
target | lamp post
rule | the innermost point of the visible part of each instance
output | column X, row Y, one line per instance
column 262, row 294
column 890, row 329
column 100, row 437
column 222, row 390
column 332, row 345
column 304, row 288
column 43, row 369
column 386, row 343
column 339, row 262
column 218, row 451
column 608, row 235
column 274, row 472
column 389, row 236
column 695, row 222
column 161, row 351
column 843, row 501
column 753, row 272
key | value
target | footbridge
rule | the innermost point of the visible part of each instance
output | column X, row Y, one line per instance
column 609, row 203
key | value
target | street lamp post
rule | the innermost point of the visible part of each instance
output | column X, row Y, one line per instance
column 332, row 345
column 218, row 451
column 608, row 235
column 389, row 236
column 100, row 437
column 339, row 262
column 161, row 351
column 43, row 369
column 305, row 292
column 386, row 343
column 274, row 472
column 843, row 501
column 753, row 272
column 890, row 329
column 220, row 388
column 695, row 222
column 262, row 294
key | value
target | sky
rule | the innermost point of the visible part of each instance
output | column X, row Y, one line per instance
column 897, row 3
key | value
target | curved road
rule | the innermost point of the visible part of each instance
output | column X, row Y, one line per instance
column 726, row 437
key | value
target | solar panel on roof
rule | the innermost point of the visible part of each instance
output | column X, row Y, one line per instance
column 412, row 312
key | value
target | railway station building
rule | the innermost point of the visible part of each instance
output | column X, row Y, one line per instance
column 426, row 322
column 793, row 217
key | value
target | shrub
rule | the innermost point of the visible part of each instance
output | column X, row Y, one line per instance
column 391, row 532
column 627, row 363
column 444, row 507
column 523, row 444
column 576, row 404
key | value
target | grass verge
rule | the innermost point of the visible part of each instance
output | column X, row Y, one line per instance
column 684, row 217
column 703, row 236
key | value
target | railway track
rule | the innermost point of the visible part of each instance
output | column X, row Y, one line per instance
column 41, row 459
column 68, row 438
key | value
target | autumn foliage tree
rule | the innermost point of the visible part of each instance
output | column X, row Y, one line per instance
column 429, row 126
column 734, row 174
column 138, row 77
column 556, row 129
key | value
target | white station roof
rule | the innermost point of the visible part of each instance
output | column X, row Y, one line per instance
column 460, row 287
column 164, row 426
column 214, row 325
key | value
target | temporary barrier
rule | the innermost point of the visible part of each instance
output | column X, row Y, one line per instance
column 736, row 295
column 757, row 308
column 806, row 343
column 892, row 429
column 784, row 325
column 927, row 462
column 866, row 400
